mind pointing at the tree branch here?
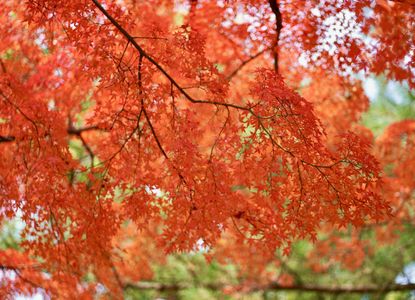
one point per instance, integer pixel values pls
(6, 138)
(245, 62)
(278, 26)
(71, 131)
(160, 68)
(341, 289)
(404, 2)
(77, 131)
(370, 289)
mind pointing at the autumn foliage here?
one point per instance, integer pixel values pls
(131, 129)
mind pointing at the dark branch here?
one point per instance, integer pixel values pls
(146, 285)
(71, 131)
(278, 26)
(6, 139)
(341, 289)
(77, 131)
(245, 62)
(276, 287)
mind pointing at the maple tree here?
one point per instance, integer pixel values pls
(131, 129)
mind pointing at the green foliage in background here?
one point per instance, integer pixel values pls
(391, 102)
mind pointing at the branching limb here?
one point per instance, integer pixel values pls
(245, 62)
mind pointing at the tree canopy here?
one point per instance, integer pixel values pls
(134, 129)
